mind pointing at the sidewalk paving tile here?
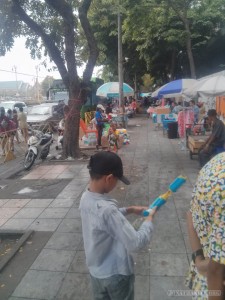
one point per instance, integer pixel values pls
(62, 202)
(70, 225)
(39, 203)
(53, 260)
(3, 221)
(17, 224)
(45, 224)
(75, 287)
(78, 264)
(64, 241)
(16, 203)
(168, 264)
(8, 212)
(162, 287)
(39, 284)
(29, 212)
(142, 263)
(73, 213)
(142, 288)
(3, 201)
(54, 213)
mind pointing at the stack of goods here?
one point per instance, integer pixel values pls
(122, 133)
(89, 140)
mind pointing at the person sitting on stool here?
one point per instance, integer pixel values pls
(215, 140)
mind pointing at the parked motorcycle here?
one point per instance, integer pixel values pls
(38, 147)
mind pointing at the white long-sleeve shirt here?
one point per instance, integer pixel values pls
(108, 237)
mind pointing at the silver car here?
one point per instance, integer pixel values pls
(14, 105)
(44, 117)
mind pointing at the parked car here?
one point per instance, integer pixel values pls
(14, 105)
(44, 117)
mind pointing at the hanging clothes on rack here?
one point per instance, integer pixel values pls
(185, 120)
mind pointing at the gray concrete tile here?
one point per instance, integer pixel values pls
(167, 237)
(70, 194)
(64, 241)
(54, 213)
(66, 175)
(16, 203)
(78, 264)
(16, 298)
(142, 263)
(45, 224)
(70, 225)
(62, 202)
(29, 212)
(162, 288)
(142, 288)
(73, 213)
(3, 201)
(39, 202)
(75, 287)
(168, 264)
(39, 284)
(8, 212)
(53, 260)
(17, 224)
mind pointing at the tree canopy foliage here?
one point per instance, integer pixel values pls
(55, 28)
(155, 36)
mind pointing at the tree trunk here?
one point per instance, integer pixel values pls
(172, 68)
(72, 125)
(189, 50)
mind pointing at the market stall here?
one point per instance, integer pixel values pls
(195, 143)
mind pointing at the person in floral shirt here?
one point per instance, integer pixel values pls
(206, 228)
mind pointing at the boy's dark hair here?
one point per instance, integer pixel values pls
(106, 163)
(212, 113)
(94, 175)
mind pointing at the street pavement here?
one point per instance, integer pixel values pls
(151, 162)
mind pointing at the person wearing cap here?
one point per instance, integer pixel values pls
(99, 123)
(215, 140)
(109, 238)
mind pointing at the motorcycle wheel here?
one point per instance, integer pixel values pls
(45, 154)
(29, 160)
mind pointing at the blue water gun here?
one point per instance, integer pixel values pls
(174, 186)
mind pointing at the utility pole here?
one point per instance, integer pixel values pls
(120, 69)
(17, 89)
(37, 87)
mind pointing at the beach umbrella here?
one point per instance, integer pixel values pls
(174, 88)
(213, 86)
(111, 89)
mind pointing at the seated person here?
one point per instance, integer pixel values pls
(177, 108)
(215, 140)
(113, 138)
(203, 125)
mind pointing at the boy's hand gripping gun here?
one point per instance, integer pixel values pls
(174, 186)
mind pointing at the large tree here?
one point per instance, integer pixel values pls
(54, 28)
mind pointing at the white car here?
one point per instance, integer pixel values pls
(44, 115)
(13, 105)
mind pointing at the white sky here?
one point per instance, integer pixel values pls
(19, 57)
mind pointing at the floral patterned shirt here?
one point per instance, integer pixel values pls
(208, 214)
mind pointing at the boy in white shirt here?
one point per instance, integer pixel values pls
(108, 236)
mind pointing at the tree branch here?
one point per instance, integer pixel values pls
(66, 12)
(63, 9)
(92, 44)
(49, 43)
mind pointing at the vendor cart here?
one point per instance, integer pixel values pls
(195, 143)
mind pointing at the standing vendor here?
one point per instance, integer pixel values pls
(99, 123)
(215, 140)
